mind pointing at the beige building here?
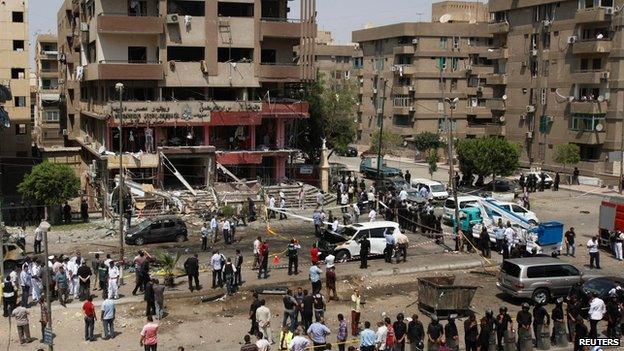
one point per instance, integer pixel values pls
(47, 132)
(561, 67)
(15, 145)
(400, 75)
(204, 81)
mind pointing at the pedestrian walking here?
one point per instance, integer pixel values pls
(263, 271)
(159, 299)
(290, 310)
(365, 246)
(149, 335)
(617, 245)
(356, 305)
(597, 310)
(108, 318)
(293, 256)
(226, 228)
(23, 325)
(216, 261)
(575, 176)
(314, 254)
(253, 329)
(141, 266)
(315, 278)
(62, 285)
(214, 229)
(256, 252)
(282, 205)
(238, 263)
(263, 316)
(25, 283)
(594, 253)
(319, 306)
(88, 311)
(372, 215)
(271, 208)
(228, 276)
(330, 282)
(191, 267)
(150, 299)
(44, 316)
(317, 220)
(484, 242)
(205, 233)
(556, 181)
(416, 334)
(570, 237)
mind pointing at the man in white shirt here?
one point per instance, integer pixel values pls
(256, 252)
(356, 213)
(372, 215)
(299, 343)
(271, 207)
(282, 205)
(262, 344)
(214, 227)
(38, 239)
(382, 334)
(72, 271)
(335, 225)
(216, 261)
(344, 202)
(594, 253)
(510, 236)
(424, 193)
(403, 195)
(227, 237)
(113, 280)
(263, 316)
(597, 310)
(320, 198)
(21, 237)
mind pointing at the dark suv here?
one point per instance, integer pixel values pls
(157, 229)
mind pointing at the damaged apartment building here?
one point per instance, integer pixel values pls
(204, 83)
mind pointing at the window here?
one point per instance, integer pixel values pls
(137, 8)
(472, 41)
(186, 53)
(511, 269)
(183, 8)
(454, 64)
(455, 42)
(401, 101)
(137, 54)
(546, 68)
(518, 209)
(586, 123)
(596, 64)
(536, 272)
(18, 17)
(534, 67)
(18, 73)
(228, 9)
(91, 52)
(402, 120)
(51, 116)
(268, 56)
(358, 62)
(545, 40)
(168, 224)
(442, 43)
(590, 152)
(21, 129)
(20, 101)
(442, 63)
(378, 232)
(18, 45)
(234, 55)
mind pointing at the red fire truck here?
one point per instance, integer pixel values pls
(611, 219)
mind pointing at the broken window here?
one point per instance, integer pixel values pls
(185, 53)
(235, 55)
(137, 54)
(183, 8)
(18, 73)
(183, 94)
(234, 9)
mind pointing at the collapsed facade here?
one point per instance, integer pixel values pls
(204, 82)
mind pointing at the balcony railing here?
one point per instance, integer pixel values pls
(124, 69)
(592, 14)
(592, 46)
(124, 24)
(498, 27)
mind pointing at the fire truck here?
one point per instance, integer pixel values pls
(611, 220)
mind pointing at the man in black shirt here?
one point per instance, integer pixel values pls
(573, 312)
(613, 316)
(308, 303)
(84, 276)
(570, 235)
(400, 331)
(451, 334)
(539, 314)
(471, 332)
(557, 318)
(290, 311)
(191, 266)
(435, 333)
(416, 333)
(503, 321)
(580, 332)
(364, 251)
(524, 319)
(252, 314)
(487, 330)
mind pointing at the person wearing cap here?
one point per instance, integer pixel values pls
(503, 322)
(435, 334)
(487, 330)
(451, 335)
(524, 319)
(471, 332)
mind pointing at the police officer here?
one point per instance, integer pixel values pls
(539, 315)
(364, 251)
(524, 319)
(293, 257)
(487, 330)
(502, 322)
(8, 297)
(558, 324)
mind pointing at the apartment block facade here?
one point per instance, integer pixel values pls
(562, 73)
(15, 145)
(406, 68)
(204, 82)
(47, 132)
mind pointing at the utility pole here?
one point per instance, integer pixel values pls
(46, 227)
(379, 105)
(621, 156)
(449, 129)
(120, 87)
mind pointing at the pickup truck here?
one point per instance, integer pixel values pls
(368, 167)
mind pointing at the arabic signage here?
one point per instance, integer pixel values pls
(155, 113)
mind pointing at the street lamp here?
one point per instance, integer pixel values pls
(449, 123)
(119, 87)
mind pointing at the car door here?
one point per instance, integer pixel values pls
(168, 231)
(154, 233)
(561, 277)
(378, 241)
(354, 243)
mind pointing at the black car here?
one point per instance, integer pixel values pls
(600, 286)
(504, 186)
(394, 184)
(350, 151)
(157, 229)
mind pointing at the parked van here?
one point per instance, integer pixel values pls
(437, 191)
(539, 278)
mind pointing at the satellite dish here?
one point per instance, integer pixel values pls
(600, 98)
(102, 150)
(455, 100)
(599, 127)
(445, 18)
(504, 97)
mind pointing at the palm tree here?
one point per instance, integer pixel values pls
(168, 263)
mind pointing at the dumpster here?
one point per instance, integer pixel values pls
(439, 296)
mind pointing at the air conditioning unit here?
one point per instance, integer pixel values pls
(394, 68)
(605, 75)
(529, 135)
(65, 133)
(84, 26)
(533, 52)
(572, 39)
(609, 10)
(415, 41)
(530, 108)
(173, 18)
(501, 119)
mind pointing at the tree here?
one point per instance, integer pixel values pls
(567, 154)
(51, 184)
(487, 156)
(168, 262)
(432, 161)
(389, 142)
(426, 141)
(332, 115)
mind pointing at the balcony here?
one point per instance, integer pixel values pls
(279, 72)
(403, 89)
(285, 109)
(495, 54)
(588, 107)
(131, 161)
(403, 49)
(589, 76)
(587, 137)
(121, 24)
(478, 110)
(405, 70)
(496, 79)
(280, 28)
(485, 129)
(48, 55)
(481, 69)
(123, 70)
(496, 104)
(498, 27)
(48, 72)
(592, 14)
(403, 110)
(591, 46)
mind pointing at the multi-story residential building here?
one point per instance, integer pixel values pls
(47, 132)
(561, 69)
(409, 65)
(15, 145)
(337, 61)
(202, 81)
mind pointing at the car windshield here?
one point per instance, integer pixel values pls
(598, 286)
(437, 188)
(146, 223)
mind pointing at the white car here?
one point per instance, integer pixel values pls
(518, 210)
(352, 235)
(437, 191)
(449, 205)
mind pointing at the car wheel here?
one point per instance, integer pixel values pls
(342, 256)
(180, 238)
(139, 241)
(541, 296)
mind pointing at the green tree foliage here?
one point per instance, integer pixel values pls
(50, 183)
(425, 141)
(389, 142)
(487, 156)
(432, 161)
(332, 115)
(567, 154)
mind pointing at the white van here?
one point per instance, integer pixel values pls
(437, 191)
(352, 234)
(449, 205)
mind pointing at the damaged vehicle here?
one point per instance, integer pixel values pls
(156, 230)
(345, 242)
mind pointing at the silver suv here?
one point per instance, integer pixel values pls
(539, 278)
